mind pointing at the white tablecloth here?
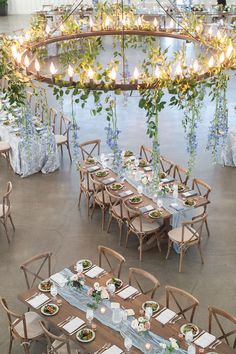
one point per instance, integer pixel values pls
(37, 156)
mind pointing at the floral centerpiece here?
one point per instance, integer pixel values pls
(77, 280)
(164, 189)
(141, 324)
(97, 294)
(170, 346)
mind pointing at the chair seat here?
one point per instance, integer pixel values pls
(199, 211)
(60, 139)
(118, 213)
(146, 226)
(63, 349)
(34, 329)
(176, 235)
(87, 186)
(1, 210)
(4, 147)
(98, 197)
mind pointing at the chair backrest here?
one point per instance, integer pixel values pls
(97, 188)
(195, 227)
(34, 267)
(203, 188)
(88, 148)
(146, 153)
(13, 320)
(138, 276)
(133, 214)
(52, 119)
(226, 324)
(84, 179)
(181, 302)
(65, 124)
(6, 200)
(115, 201)
(166, 165)
(55, 343)
(111, 257)
(180, 174)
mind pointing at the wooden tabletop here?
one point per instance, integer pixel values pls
(105, 334)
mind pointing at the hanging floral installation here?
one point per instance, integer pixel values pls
(80, 73)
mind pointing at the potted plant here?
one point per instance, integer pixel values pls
(3, 7)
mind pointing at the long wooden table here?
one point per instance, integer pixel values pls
(105, 334)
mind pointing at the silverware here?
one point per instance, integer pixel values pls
(32, 296)
(103, 348)
(44, 303)
(176, 319)
(78, 329)
(199, 335)
(118, 291)
(135, 295)
(103, 273)
(159, 312)
(216, 345)
(64, 321)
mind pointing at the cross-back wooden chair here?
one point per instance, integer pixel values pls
(182, 302)
(86, 186)
(5, 210)
(24, 327)
(88, 148)
(219, 316)
(5, 149)
(138, 275)
(111, 256)
(116, 211)
(57, 344)
(34, 267)
(146, 153)
(63, 138)
(204, 190)
(100, 198)
(189, 234)
(141, 227)
(166, 165)
(180, 173)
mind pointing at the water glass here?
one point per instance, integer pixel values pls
(79, 267)
(111, 288)
(53, 291)
(159, 203)
(189, 337)
(128, 344)
(148, 312)
(117, 315)
(89, 315)
(140, 189)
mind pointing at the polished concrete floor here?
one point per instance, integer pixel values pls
(45, 212)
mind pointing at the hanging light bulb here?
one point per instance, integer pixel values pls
(136, 74)
(14, 51)
(195, 66)
(62, 28)
(155, 23)
(70, 73)
(222, 58)
(47, 30)
(172, 24)
(210, 32)
(27, 37)
(37, 66)
(21, 40)
(198, 28)
(157, 72)
(178, 70)
(18, 58)
(139, 21)
(53, 70)
(229, 51)
(90, 74)
(211, 62)
(26, 63)
(107, 22)
(112, 74)
(91, 23)
(219, 35)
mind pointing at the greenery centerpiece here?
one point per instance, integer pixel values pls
(97, 293)
(77, 281)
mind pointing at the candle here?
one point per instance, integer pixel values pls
(148, 346)
(53, 71)
(210, 32)
(112, 74)
(157, 72)
(211, 62)
(91, 23)
(37, 66)
(136, 75)
(26, 63)
(222, 58)
(47, 30)
(103, 310)
(107, 23)
(178, 71)
(14, 51)
(18, 58)
(155, 23)
(195, 66)
(229, 51)
(70, 73)
(62, 28)
(139, 22)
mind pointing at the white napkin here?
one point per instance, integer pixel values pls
(38, 300)
(59, 279)
(176, 206)
(94, 272)
(93, 168)
(127, 292)
(165, 316)
(189, 194)
(108, 180)
(146, 208)
(147, 169)
(125, 193)
(113, 350)
(72, 325)
(205, 340)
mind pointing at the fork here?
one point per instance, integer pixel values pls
(216, 344)
(159, 312)
(199, 335)
(103, 348)
(32, 296)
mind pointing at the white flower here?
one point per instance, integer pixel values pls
(104, 294)
(134, 324)
(82, 282)
(96, 286)
(141, 327)
(74, 277)
(141, 319)
(174, 343)
(163, 345)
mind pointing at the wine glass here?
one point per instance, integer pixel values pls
(128, 344)
(79, 267)
(53, 291)
(140, 189)
(159, 203)
(89, 316)
(117, 315)
(189, 337)
(111, 288)
(148, 312)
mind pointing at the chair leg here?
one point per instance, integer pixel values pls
(11, 222)
(5, 227)
(181, 260)
(159, 244)
(103, 218)
(68, 148)
(61, 150)
(94, 205)
(109, 223)
(169, 248)
(121, 229)
(26, 348)
(207, 227)
(140, 249)
(88, 203)
(127, 236)
(200, 251)
(10, 344)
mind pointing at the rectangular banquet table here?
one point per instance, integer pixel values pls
(170, 215)
(105, 334)
(39, 153)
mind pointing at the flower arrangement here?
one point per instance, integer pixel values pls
(164, 189)
(141, 324)
(77, 280)
(97, 293)
(170, 346)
